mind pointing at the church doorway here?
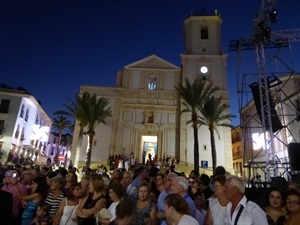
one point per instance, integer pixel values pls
(149, 148)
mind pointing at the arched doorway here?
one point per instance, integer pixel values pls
(148, 148)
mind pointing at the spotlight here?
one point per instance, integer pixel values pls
(273, 16)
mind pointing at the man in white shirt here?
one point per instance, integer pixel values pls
(241, 211)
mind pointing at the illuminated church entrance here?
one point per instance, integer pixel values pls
(149, 148)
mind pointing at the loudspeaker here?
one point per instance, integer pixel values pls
(279, 182)
(294, 156)
(276, 124)
(257, 195)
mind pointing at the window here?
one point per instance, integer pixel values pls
(37, 119)
(152, 84)
(150, 119)
(52, 150)
(23, 134)
(204, 33)
(1, 126)
(22, 111)
(4, 105)
(27, 115)
(17, 131)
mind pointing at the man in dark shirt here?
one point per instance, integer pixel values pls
(207, 191)
(6, 204)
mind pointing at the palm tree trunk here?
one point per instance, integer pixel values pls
(213, 150)
(89, 149)
(76, 144)
(56, 157)
(196, 147)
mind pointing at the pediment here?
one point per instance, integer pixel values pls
(152, 62)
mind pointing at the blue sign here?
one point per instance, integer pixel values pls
(204, 164)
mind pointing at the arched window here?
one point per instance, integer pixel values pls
(152, 84)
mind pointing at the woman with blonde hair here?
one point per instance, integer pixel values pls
(85, 182)
(94, 202)
(177, 210)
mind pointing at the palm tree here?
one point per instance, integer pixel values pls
(67, 139)
(213, 116)
(90, 112)
(59, 125)
(71, 111)
(194, 96)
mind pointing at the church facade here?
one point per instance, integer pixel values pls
(146, 109)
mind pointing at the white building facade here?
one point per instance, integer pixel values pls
(24, 127)
(146, 107)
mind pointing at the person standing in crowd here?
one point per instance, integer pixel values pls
(159, 184)
(116, 176)
(38, 194)
(145, 210)
(26, 179)
(180, 186)
(71, 180)
(94, 202)
(194, 175)
(116, 193)
(206, 189)
(293, 209)
(10, 178)
(239, 209)
(220, 170)
(131, 191)
(141, 175)
(55, 195)
(125, 212)
(160, 202)
(144, 158)
(6, 206)
(42, 214)
(177, 210)
(49, 164)
(85, 182)
(275, 205)
(216, 210)
(66, 212)
(200, 211)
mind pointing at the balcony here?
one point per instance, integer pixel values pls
(237, 155)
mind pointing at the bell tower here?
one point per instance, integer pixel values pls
(204, 59)
(203, 56)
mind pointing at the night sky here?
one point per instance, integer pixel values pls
(50, 48)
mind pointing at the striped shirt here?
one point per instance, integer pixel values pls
(55, 203)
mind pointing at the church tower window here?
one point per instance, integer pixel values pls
(204, 33)
(152, 84)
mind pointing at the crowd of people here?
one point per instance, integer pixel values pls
(141, 195)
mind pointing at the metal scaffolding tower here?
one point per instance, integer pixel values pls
(261, 82)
